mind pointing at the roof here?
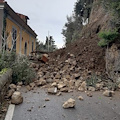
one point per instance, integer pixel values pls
(17, 18)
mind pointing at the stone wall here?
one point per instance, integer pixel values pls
(5, 80)
(113, 62)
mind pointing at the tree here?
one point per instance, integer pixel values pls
(75, 23)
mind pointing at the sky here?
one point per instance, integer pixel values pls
(45, 16)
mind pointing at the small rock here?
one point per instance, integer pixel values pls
(32, 85)
(119, 86)
(58, 76)
(108, 93)
(83, 86)
(91, 89)
(28, 87)
(69, 103)
(58, 94)
(77, 83)
(81, 89)
(12, 86)
(20, 83)
(54, 84)
(99, 86)
(64, 89)
(52, 90)
(10, 93)
(41, 82)
(61, 85)
(71, 83)
(18, 88)
(89, 94)
(17, 98)
(47, 99)
(80, 98)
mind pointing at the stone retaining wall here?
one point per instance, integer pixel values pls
(5, 80)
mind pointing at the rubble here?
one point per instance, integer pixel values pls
(20, 83)
(61, 85)
(69, 103)
(52, 90)
(32, 85)
(12, 86)
(16, 98)
(10, 93)
(91, 89)
(28, 87)
(81, 98)
(108, 93)
(66, 89)
(47, 99)
(89, 94)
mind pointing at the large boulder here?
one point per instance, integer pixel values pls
(69, 103)
(16, 98)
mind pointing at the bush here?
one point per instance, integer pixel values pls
(19, 65)
(7, 60)
(22, 71)
(107, 37)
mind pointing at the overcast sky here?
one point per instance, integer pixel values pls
(45, 15)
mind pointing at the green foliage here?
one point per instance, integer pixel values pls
(107, 37)
(7, 60)
(22, 71)
(113, 7)
(3, 71)
(19, 65)
(74, 25)
(92, 81)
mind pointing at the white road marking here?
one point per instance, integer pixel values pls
(10, 112)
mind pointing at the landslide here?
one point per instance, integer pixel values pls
(88, 54)
(86, 50)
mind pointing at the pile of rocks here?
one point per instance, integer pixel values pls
(14, 94)
(67, 76)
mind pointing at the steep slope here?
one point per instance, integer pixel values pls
(88, 54)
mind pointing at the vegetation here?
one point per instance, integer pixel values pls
(92, 81)
(113, 7)
(48, 46)
(3, 71)
(19, 65)
(107, 37)
(75, 23)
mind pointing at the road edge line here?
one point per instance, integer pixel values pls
(10, 112)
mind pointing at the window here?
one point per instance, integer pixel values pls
(14, 37)
(32, 46)
(25, 48)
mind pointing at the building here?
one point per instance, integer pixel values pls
(15, 33)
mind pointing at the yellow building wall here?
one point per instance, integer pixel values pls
(26, 37)
(9, 27)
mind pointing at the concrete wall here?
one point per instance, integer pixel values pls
(5, 80)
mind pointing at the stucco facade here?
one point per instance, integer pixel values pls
(19, 36)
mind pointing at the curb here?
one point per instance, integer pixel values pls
(10, 112)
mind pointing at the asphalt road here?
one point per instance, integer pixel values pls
(97, 107)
